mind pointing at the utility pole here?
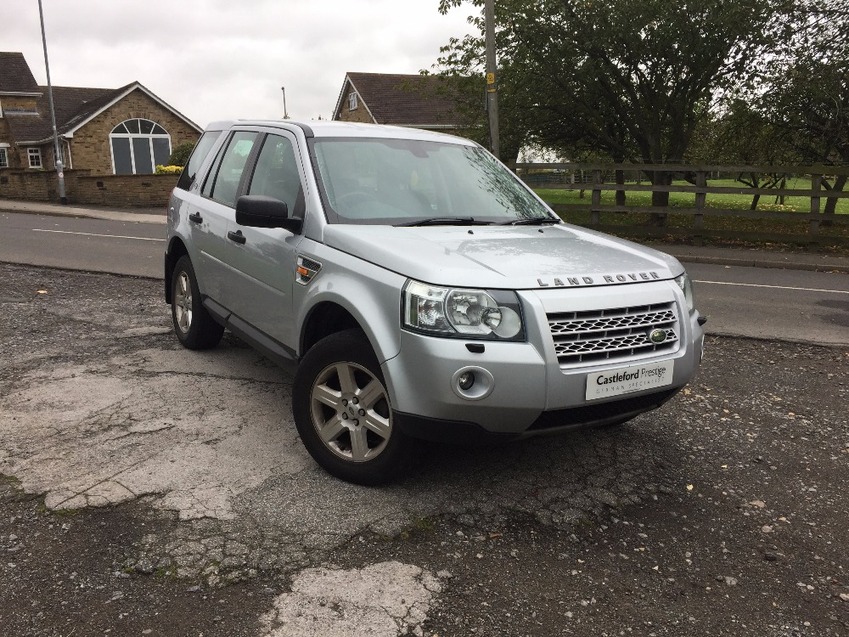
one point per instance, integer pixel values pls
(491, 83)
(57, 149)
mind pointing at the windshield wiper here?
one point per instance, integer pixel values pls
(533, 221)
(445, 221)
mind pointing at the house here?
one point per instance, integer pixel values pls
(103, 131)
(418, 101)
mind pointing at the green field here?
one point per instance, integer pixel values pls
(727, 229)
(687, 200)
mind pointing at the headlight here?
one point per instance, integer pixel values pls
(462, 313)
(686, 286)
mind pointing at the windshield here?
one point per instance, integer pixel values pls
(408, 182)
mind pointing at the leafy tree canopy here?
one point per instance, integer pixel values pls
(631, 78)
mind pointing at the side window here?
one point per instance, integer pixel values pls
(276, 174)
(223, 185)
(201, 150)
(34, 155)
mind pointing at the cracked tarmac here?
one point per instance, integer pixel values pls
(101, 410)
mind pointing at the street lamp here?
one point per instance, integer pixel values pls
(285, 112)
(57, 151)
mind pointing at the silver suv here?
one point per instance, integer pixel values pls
(422, 289)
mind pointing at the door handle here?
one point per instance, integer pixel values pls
(195, 217)
(237, 236)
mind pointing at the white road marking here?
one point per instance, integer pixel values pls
(772, 287)
(94, 234)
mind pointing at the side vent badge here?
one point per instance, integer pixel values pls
(307, 270)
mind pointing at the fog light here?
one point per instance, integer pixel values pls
(466, 380)
(472, 383)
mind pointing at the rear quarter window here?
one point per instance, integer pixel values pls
(201, 150)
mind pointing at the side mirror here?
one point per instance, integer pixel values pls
(260, 211)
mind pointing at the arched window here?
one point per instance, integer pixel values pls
(138, 145)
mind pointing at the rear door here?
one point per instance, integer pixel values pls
(217, 217)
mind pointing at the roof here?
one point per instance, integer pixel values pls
(403, 100)
(74, 106)
(16, 76)
(71, 104)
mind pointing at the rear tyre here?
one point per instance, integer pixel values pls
(194, 326)
(343, 412)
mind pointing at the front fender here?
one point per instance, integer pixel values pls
(369, 293)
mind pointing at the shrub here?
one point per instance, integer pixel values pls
(168, 170)
(180, 154)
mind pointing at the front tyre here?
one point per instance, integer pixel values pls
(343, 413)
(194, 327)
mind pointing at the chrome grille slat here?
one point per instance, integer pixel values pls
(612, 335)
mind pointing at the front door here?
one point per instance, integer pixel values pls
(266, 259)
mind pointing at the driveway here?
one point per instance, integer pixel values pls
(722, 513)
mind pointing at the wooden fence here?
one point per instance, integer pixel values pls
(814, 222)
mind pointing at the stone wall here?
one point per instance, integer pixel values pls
(122, 191)
(82, 188)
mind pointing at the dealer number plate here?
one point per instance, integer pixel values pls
(624, 380)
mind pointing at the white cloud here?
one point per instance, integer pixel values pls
(216, 59)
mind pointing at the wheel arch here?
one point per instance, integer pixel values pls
(330, 316)
(324, 319)
(176, 249)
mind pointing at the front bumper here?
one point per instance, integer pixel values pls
(521, 388)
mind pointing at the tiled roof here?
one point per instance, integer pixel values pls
(72, 104)
(408, 100)
(15, 74)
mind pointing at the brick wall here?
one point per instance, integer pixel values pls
(121, 191)
(82, 188)
(31, 184)
(18, 156)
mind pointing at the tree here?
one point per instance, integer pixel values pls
(805, 93)
(740, 135)
(631, 78)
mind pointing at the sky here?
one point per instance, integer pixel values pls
(222, 59)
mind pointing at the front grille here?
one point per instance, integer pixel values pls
(612, 335)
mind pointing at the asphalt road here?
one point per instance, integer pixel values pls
(94, 245)
(795, 305)
(802, 306)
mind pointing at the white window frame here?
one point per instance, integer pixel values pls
(4, 157)
(34, 157)
(353, 103)
(131, 136)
